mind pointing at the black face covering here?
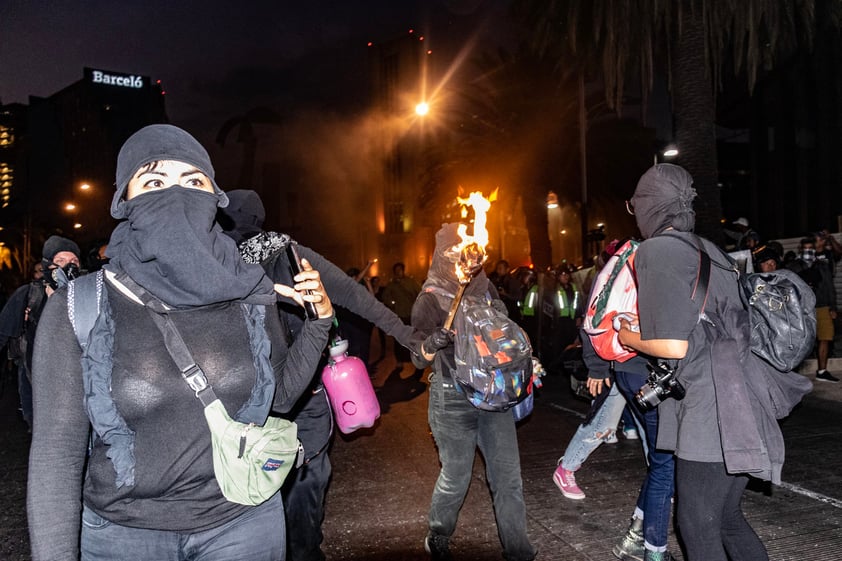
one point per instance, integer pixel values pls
(58, 277)
(170, 246)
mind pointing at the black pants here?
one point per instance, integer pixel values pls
(305, 488)
(710, 516)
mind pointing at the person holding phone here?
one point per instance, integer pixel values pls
(147, 486)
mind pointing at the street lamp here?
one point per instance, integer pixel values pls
(422, 109)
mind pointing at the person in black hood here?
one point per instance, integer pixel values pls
(458, 427)
(147, 483)
(305, 488)
(723, 431)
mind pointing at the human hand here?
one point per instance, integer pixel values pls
(439, 339)
(595, 385)
(308, 287)
(537, 372)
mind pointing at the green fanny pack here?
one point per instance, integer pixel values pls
(250, 462)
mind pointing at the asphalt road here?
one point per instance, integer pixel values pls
(378, 499)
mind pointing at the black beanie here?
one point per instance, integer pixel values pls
(244, 215)
(155, 143)
(57, 244)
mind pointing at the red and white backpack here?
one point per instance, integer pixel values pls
(614, 292)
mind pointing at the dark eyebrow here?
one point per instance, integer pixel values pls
(192, 172)
(151, 172)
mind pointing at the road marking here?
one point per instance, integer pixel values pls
(811, 494)
(788, 486)
(566, 410)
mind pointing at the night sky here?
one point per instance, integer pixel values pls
(218, 58)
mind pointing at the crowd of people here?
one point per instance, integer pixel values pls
(122, 456)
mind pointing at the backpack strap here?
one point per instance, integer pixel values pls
(703, 275)
(84, 296)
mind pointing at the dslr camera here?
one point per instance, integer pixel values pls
(660, 385)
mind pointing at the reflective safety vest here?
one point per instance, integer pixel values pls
(530, 302)
(565, 309)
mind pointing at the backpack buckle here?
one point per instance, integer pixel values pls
(195, 378)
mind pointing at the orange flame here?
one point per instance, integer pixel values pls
(471, 249)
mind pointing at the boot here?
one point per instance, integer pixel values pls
(630, 547)
(437, 546)
(658, 556)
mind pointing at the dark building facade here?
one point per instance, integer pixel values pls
(64, 156)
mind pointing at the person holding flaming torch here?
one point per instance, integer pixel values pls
(457, 426)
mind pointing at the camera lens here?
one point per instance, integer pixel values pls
(648, 397)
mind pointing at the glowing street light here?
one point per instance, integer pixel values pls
(84, 186)
(670, 152)
(69, 207)
(422, 109)
(77, 226)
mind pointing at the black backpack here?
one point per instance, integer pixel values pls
(781, 310)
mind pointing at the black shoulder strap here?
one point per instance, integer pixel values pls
(190, 371)
(703, 274)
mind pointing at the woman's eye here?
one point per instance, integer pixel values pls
(153, 184)
(196, 182)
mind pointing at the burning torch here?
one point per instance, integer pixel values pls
(470, 252)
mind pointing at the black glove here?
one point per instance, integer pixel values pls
(439, 339)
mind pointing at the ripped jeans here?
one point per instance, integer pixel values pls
(589, 437)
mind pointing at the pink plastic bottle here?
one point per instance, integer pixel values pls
(349, 389)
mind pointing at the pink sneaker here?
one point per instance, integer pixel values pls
(566, 481)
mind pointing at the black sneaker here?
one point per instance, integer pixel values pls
(438, 547)
(826, 377)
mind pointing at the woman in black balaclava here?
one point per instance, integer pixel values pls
(459, 427)
(717, 444)
(149, 488)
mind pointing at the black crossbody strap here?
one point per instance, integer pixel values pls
(190, 371)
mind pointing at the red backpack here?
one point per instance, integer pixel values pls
(614, 292)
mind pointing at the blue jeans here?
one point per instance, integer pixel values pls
(257, 534)
(458, 428)
(655, 499)
(588, 437)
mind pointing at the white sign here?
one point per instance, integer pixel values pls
(100, 77)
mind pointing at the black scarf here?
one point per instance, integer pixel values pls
(170, 246)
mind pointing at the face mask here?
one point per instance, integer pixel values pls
(60, 276)
(808, 255)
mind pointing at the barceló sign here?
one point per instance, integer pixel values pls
(111, 79)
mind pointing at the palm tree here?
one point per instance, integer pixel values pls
(694, 40)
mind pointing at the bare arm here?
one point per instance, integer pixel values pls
(661, 348)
